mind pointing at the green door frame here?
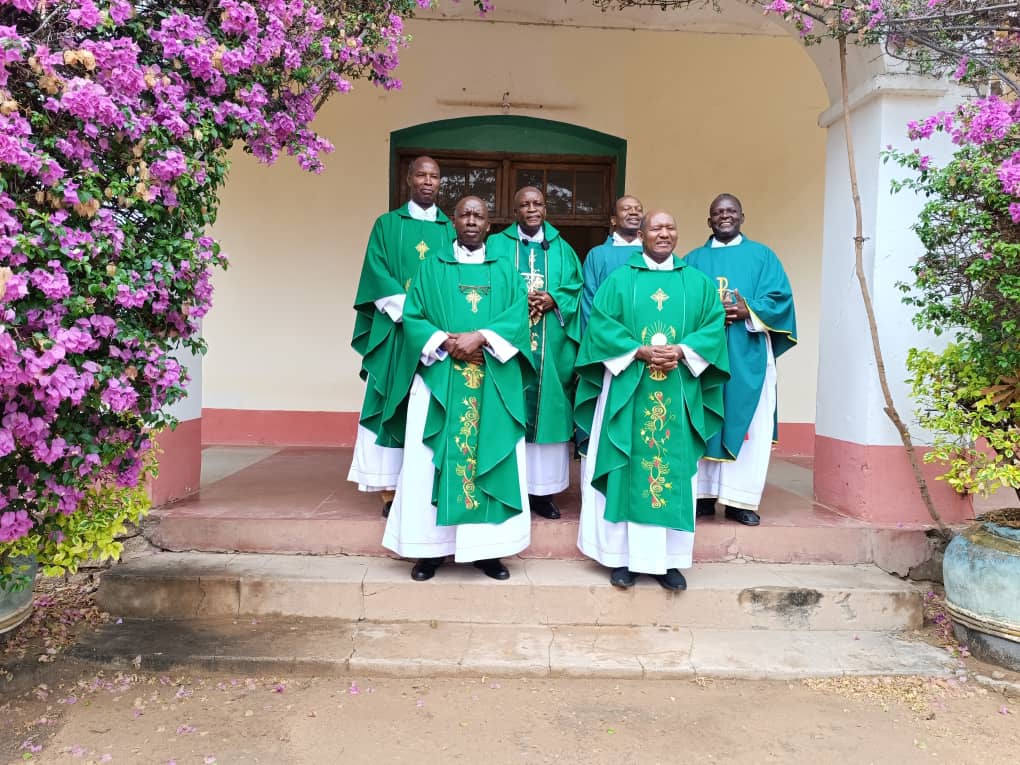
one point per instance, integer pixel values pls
(509, 133)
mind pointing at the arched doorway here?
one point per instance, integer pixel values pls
(581, 171)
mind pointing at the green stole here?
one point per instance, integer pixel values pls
(476, 412)
(754, 270)
(397, 246)
(556, 336)
(655, 426)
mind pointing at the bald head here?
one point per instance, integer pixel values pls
(658, 235)
(423, 181)
(471, 221)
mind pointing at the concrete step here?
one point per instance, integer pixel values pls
(541, 592)
(282, 647)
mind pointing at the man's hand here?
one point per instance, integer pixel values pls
(660, 358)
(737, 310)
(466, 345)
(539, 304)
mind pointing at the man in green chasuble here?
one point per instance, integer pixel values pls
(400, 242)
(462, 489)
(552, 272)
(761, 326)
(652, 366)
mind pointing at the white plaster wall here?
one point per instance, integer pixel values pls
(702, 113)
(852, 407)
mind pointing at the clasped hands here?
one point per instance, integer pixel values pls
(660, 358)
(465, 346)
(737, 310)
(539, 304)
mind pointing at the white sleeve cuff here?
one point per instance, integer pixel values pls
(617, 365)
(432, 352)
(753, 323)
(694, 361)
(392, 306)
(498, 347)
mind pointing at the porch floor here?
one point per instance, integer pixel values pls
(297, 500)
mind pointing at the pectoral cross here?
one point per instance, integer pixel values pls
(660, 297)
(422, 248)
(534, 279)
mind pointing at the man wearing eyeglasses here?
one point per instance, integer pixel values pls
(552, 272)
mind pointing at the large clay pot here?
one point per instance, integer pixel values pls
(981, 571)
(15, 607)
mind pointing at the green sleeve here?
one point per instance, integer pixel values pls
(772, 303)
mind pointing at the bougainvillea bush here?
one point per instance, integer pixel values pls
(115, 121)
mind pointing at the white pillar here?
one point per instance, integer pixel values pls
(861, 466)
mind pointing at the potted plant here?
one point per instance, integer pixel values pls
(967, 287)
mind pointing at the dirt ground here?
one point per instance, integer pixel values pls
(90, 717)
(55, 710)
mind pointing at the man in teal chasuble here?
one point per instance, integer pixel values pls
(552, 272)
(652, 365)
(400, 242)
(761, 325)
(622, 242)
(462, 488)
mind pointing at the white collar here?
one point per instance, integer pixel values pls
(732, 243)
(420, 213)
(464, 255)
(666, 265)
(619, 241)
(538, 237)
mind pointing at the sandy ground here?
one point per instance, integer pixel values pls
(85, 717)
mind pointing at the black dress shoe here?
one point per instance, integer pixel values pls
(493, 568)
(740, 515)
(622, 577)
(425, 569)
(544, 507)
(386, 509)
(705, 507)
(672, 579)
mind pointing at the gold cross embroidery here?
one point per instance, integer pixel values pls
(474, 297)
(422, 248)
(533, 278)
(660, 297)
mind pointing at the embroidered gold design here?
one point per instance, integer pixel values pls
(473, 374)
(655, 433)
(407, 285)
(659, 297)
(422, 248)
(658, 334)
(467, 445)
(474, 297)
(534, 279)
(725, 293)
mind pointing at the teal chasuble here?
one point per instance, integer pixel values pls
(397, 246)
(599, 263)
(755, 271)
(476, 411)
(556, 336)
(655, 426)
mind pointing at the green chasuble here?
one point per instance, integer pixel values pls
(755, 271)
(397, 246)
(555, 337)
(477, 411)
(655, 426)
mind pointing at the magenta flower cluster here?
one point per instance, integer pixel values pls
(115, 121)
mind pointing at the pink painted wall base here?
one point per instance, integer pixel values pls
(180, 462)
(876, 483)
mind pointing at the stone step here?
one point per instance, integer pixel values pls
(360, 651)
(543, 592)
